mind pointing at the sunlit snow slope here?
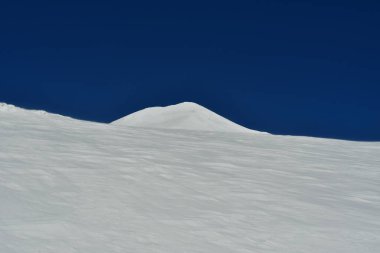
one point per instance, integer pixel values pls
(187, 115)
(74, 186)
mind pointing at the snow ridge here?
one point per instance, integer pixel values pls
(4, 107)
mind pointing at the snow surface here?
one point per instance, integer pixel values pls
(186, 115)
(74, 186)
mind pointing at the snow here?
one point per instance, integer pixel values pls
(186, 115)
(74, 186)
(4, 107)
(26, 113)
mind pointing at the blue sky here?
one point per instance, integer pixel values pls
(286, 67)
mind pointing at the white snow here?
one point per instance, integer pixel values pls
(186, 115)
(75, 186)
(4, 107)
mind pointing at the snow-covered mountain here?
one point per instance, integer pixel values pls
(187, 115)
(75, 186)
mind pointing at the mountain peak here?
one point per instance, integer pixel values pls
(189, 105)
(185, 115)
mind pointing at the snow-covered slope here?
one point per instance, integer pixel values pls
(11, 112)
(7, 108)
(187, 115)
(73, 186)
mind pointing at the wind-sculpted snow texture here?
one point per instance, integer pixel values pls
(73, 186)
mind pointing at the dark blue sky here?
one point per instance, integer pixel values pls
(286, 67)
